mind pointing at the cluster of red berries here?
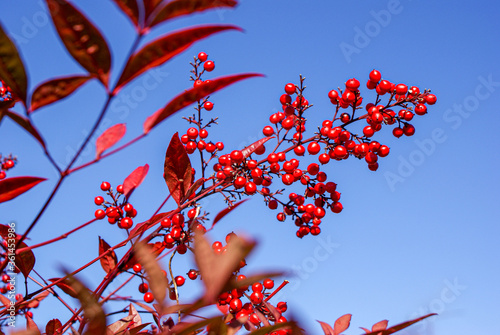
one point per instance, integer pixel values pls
(332, 142)
(5, 92)
(6, 163)
(178, 232)
(208, 66)
(246, 306)
(191, 141)
(120, 212)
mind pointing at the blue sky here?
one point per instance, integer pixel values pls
(417, 236)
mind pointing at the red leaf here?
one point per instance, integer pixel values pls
(196, 185)
(31, 326)
(15, 186)
(52, 327)
(134, 179)
(55, 90)
(217, 270)
(82, 39)
(165, 48)
(143, 226)
(109, 138)
(65, 285)
(381, 325)
(400, 326)
(341, 324)
(130, 8)
(192, 95)
(25, 261)
(150, 6)
(327, 329)
(254, 146)
(226, 211)
(178, 8)
(177, 169)
(11, 67)
(109, 261)
(26, 124)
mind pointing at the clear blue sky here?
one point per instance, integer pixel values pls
(419, 235)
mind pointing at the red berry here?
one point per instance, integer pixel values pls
(181, 249)
(268, 283)
(8, 164)
(313, 148)
(2, 174)
(324, 158)
(333, 95)
(430, 99)
(126, 223)
(137, 267)
(285, 99)
(420, 109)
(178, 219)
(299, 150)
(401, 89)
(256, 298)
(250, 188)
(344, 117)
(235, 305)
(236, 156)
(408, 129)
(337, 207)
(143, 287)
(375, 76)
(197, 83)
(192, 274)
(180, 280)
(98, 200)
(383, 150)
(290, 88)
(100, 214)
(105, 186)
(208, 105)
(192, 133)
(268, 131)
(119, 189)
(202, 56)
(257, 287)
(352, 84)
(398, 132)
(209, 65)
(148, 297)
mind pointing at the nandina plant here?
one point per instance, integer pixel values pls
(197, 166)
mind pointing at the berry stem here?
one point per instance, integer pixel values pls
(276, 290)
